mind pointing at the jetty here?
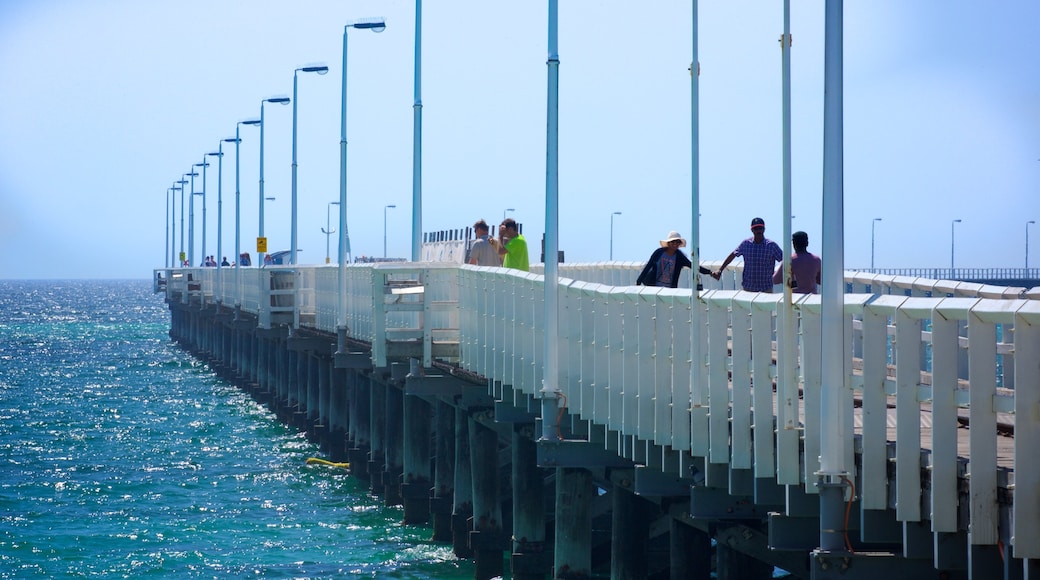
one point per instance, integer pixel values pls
(680, 450)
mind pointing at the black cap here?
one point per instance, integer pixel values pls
(758, 223)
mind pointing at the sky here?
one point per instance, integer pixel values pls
(105, 104)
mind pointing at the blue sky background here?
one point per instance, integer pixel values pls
(104, 104)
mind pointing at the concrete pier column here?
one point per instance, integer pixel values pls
(299, 406)
(462, 509)
(377, 436)
(731, 564)
(443, 490)
(280, 402)
(252, 347)
(339, 413)
(360, 425)
(690, 552)
(572, 557)
(310, 405)
(630, 535)
(529, 559)
(319, 408)
(487, 538)
(262, 390)
(415, 488)
(394, 446)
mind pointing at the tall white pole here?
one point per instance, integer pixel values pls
(391, 206)
(834, 427)
(417, 140)
(170, 190)
(698, 387)
(1027, 243)
(872, 224)
(787, 409)
(238, 222)
(205, 164)
(550, 389)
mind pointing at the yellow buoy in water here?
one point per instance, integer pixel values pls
(318, 461)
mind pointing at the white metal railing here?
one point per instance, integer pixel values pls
(964, 352)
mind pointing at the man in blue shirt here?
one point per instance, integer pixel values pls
(760, 256)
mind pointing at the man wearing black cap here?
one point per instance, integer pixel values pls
(760, 256)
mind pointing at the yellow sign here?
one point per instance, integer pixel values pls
(261, 245)
(183, 257)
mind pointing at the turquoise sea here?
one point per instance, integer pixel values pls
(123, 457)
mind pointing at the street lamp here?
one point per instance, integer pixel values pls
(375, 25)
(508, 209)
(327, 230)
(1027, 242)
(872, 224)
(185, 257)
(219, 154)
(953, 223)
(612, 234)
(191, 216)
(260, 230)
(238, 212)
(169, 192)
(391, 206)
(320, 69)
(204, 165)
(181, 256)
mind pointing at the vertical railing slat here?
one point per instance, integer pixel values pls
(908, 417)
(1026, 509)
(718, 373)
(740, 412)
(982, 436)
(762, 383)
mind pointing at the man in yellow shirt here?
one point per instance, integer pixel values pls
(512, 246)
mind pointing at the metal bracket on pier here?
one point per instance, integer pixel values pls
(357, 360)
(434, 385)
(577, 453)
(299, 343)
(714, 503)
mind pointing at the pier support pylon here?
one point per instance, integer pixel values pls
(529, 559)
(573, 550)
(444, 472)
(487, 538)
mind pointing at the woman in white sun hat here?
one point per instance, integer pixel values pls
(666, 263)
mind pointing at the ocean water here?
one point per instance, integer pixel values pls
(123, 457)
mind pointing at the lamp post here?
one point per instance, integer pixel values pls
(508, 209)
(219, 154)
(952, 224)
(320, 69)
(872, 224)
(612, 234)
(182, 256)
(191, 216)
(204, 165)
(327, 230)
(166, 253)
(187, 257)
(391, 206)
(260, 230)
(375, 25)
(238, 212)
(1027, 242)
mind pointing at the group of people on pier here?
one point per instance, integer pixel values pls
(509, 250)
(760, 256)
